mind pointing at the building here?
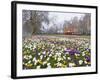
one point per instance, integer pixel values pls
(70, 30)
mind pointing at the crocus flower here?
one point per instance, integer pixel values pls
(88, 50)
(87, 58)
(72, 51)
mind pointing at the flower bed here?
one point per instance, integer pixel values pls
(56, 52)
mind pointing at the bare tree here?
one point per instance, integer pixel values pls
(32, 22)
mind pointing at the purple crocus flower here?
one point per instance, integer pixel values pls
(87, 49)
(77, 51)
(72, 51)
(67, 50)
(87, 58)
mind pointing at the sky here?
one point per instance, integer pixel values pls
(60, 17)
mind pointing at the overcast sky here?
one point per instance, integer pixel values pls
(60, 17)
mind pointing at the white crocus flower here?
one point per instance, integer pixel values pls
(26, 46)
(30, 56)
(38, 60)
(44, 62)
(80, 62)
(77, 54)
(38, 67)
(30, 46)
(34, 59)
(59, 54)
(68, 58)
(44, 52)
(83, 54)
(39, 53)
(71, 64)
(59, 64)
(85, 62)
(35, 62)
(45, 56)
(48, 58)
(50, 55)
(25, 57)
(64, 57)
(48, 64)
(26, 64)
(59, 59)
(29, 62)
(67, 52)
(55, 57)
(41, 56)
(64, 48)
